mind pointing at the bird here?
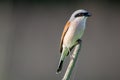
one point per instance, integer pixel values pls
(72, 33)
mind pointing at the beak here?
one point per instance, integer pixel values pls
(88, 14)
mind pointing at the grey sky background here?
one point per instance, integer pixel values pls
(30, 34)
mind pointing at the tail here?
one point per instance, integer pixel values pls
(60, 66)
(63, 55)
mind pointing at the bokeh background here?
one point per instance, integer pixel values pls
(30, 32)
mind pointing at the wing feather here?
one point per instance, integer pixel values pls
(63, 35)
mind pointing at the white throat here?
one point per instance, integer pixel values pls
(81, 21)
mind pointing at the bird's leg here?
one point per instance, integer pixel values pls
(79, 41)
(68, 51)
(71, 56)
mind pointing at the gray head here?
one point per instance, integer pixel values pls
(80, 13)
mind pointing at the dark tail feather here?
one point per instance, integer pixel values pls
(60, 67)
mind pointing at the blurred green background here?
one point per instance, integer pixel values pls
(30, 32)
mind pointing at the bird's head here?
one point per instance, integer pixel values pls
(81, 13)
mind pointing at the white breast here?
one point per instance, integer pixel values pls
(74, 32)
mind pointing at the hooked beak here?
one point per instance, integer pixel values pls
(88, 14)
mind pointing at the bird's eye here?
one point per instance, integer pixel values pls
(80, 14)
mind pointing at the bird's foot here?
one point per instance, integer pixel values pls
(72, 56)
(79, 41)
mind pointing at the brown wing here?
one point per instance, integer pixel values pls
(63, 34)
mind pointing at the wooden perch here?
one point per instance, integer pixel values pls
(72, 62)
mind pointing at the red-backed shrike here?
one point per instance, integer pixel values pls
(72, 33)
